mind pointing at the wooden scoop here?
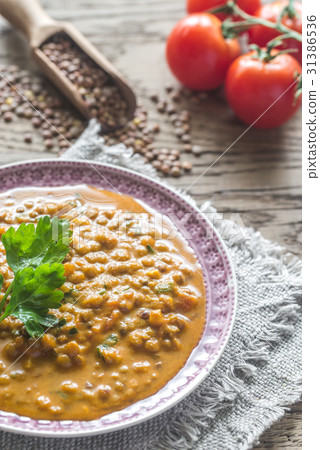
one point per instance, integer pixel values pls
(29, 17)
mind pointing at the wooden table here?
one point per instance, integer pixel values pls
(258, 178)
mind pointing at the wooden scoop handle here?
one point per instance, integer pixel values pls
(27, 16)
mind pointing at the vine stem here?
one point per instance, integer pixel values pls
(289, 10)
(248, 20)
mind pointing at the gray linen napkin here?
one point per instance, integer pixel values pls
(259, 373)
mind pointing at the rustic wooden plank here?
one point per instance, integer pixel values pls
(285, 434)
(259, 177)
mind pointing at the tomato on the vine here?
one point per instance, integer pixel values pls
(261, 35)
(197, 52)
(194, 6)
(263, 92)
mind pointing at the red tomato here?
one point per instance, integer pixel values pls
(255, 88)
(271, 11)
(197, 52)
(194, 6)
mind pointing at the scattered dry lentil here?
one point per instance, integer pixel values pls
(196, 150)
(19, 85)
(8, 116)
(138, 134)
(28, 138)
(187, 166)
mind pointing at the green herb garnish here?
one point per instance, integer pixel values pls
(62, 394)
(99, 350)
(69, 293)
(33, 293)
(62, 322)
(150, 249)
(67, 296)
(30, 247)
(110, 341)
(35, 255)
(164, 288)
(73, 331)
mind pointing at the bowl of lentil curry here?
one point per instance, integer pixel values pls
(148, 300)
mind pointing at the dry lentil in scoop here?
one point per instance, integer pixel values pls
(101, 95)
(133, 308)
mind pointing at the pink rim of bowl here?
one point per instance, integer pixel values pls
(215, 262)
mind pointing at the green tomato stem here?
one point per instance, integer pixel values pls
(230, 28)
(265, 55)
(290, 10)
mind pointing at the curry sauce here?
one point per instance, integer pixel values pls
(132, 312)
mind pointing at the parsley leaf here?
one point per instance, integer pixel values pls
(30, 247)
(35, 255)
(33, 293)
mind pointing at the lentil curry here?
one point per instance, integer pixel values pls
(132, 312)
